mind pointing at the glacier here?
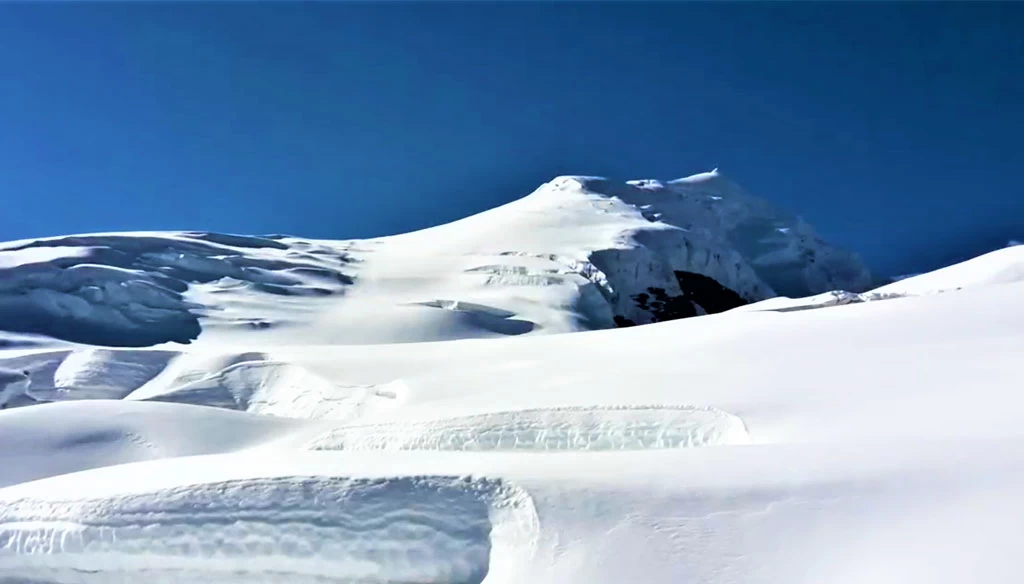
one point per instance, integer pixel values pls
(130, 289)
(464, 404)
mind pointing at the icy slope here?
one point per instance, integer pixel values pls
(579, 253)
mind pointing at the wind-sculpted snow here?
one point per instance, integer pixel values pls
(131, 289)
(554, 429)
(246, 381)
(288, 529)
(274, 389)
(103, 373)
(91, 373)
(87, 372)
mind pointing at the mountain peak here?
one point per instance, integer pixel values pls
(700, 177)
(581, 252)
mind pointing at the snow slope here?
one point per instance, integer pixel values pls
(56, 439)
(866, 442)
(1003, 266)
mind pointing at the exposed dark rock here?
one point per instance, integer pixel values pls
(664, 307)
(698, 292)
(707, 292)
(622, 321)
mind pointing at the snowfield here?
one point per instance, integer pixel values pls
(470, 404)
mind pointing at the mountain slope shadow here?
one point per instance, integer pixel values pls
(699, 293)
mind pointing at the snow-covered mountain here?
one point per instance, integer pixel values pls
(296, 419)
(578, 253)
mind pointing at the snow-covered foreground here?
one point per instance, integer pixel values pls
(846, 438)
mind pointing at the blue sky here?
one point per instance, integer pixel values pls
(894, 128)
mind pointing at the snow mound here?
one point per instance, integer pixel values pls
(104, 374)
(294, 529)
(86, 372)
(130, 289)
(552, 429)
(246, 381)
(1003, 266)
(274, 389)
(90, 373)
(60, 438)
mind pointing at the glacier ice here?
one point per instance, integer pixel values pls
(130, 289)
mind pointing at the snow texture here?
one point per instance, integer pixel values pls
(295, 529)
(401, 410)
(633, 428)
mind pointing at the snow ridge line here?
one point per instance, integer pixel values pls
(549, 429)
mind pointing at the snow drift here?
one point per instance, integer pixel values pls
(294, 529)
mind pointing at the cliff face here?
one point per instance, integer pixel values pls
(703, 245)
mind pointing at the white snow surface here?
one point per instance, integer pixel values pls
(405, 426)
(1003, 266)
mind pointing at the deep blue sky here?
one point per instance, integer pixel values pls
(896, 129)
